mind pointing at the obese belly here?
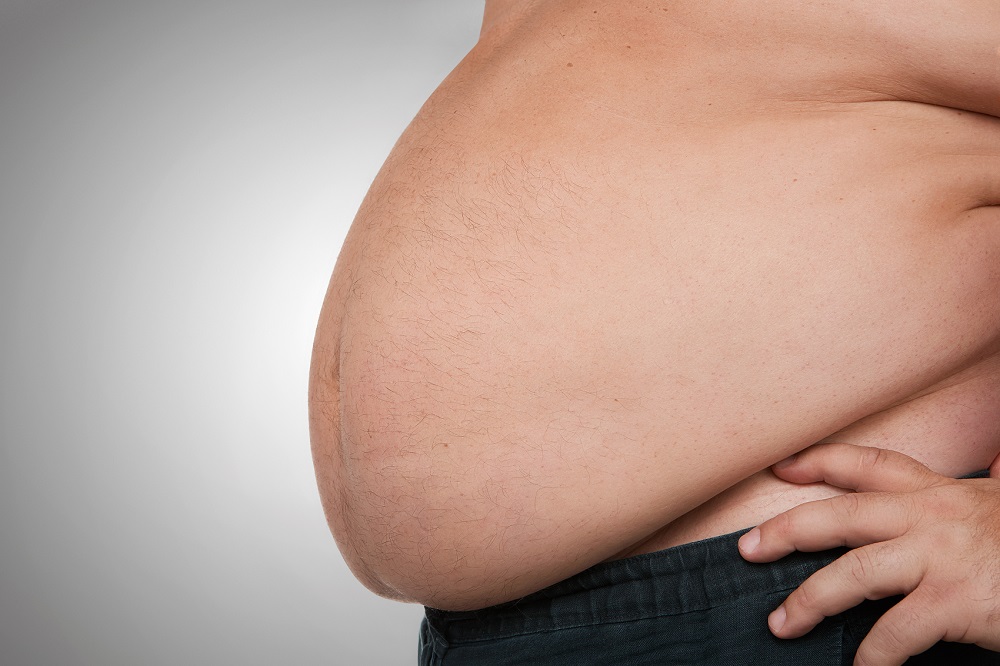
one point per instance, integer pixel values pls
(585, 304)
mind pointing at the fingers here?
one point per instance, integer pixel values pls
(873, 572)
(908, 628)
(847, 520)
(857, 468)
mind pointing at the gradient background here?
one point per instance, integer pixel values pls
(176, 178)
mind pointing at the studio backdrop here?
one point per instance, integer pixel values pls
(176, 179)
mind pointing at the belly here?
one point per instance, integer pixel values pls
(582, 308)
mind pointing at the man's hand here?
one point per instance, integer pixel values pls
(914, 532)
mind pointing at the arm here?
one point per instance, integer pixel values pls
(914, 532)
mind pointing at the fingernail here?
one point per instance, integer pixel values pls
(777, 620)
(749, 541)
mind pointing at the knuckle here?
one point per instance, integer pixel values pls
(873, 571)
(872, 458)
(782, 526)
(845, 510)
(860, 565)
(860, 570)
(806, 599)
(848, 506)
(890, 644)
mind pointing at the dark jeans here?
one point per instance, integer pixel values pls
(699, 603)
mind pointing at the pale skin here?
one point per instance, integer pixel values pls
(630, 255)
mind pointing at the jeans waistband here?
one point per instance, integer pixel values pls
(686, 578)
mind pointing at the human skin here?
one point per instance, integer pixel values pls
(913, 532)
(631, 254)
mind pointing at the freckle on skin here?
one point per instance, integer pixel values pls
(569, 64)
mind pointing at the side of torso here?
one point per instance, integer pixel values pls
(955, 431)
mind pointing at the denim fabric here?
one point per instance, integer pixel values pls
(699, 603)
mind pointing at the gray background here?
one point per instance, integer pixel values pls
(176, 178)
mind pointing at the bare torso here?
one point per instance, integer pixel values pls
(631, 254)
